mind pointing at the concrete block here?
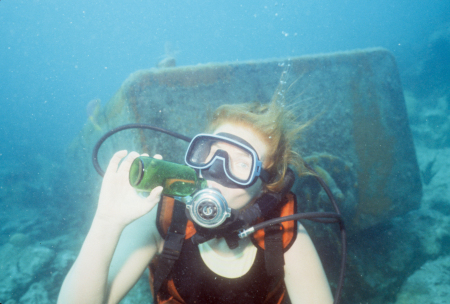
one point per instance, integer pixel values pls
(356, 98)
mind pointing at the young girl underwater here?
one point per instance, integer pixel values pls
(245, 155)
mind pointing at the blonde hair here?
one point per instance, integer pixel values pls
(275, 124)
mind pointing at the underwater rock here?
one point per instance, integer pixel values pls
(21, 267)
(382, 257)
(430, 121)
(64, 260)
(35, 259)
(9, 272)
(430, 75)
(432, 230)
(401, 245)
(435, 168)
(20, 239)
(36, 294)
(429, 284)
(35, 210)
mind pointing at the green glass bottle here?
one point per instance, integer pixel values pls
(147, 173)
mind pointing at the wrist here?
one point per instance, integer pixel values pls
(107, 225)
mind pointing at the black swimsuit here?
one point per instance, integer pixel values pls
(196, 283)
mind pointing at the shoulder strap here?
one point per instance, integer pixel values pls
(277, 239)
(273, 254)
(173, 242)
(164, 215)
(288, 207)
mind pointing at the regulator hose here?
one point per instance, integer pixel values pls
(320, 217)
(341, 228)
(125, 127)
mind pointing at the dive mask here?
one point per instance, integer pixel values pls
(226, 159)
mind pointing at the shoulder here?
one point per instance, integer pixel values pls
(302, 245)
(304, 274)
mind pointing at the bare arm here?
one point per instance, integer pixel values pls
(305, 278)
(118, 206)
(139, 243)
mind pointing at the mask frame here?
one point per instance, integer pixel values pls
(218, 167)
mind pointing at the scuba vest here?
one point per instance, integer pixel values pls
(178, 274)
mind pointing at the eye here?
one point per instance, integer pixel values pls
(242, 165)
(241, 169)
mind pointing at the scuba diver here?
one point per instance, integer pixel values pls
(245, 156)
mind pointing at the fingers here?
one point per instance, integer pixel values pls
(154, 197)
(121, 162)
(127, 161)
(155, 193)
(115, 160)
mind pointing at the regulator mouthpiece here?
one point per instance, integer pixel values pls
(208, 208)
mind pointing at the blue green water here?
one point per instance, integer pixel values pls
(56, 56)
(60, 59)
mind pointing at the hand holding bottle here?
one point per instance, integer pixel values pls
(119, 203)
(146, 173)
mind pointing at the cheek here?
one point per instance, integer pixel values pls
(240, 198)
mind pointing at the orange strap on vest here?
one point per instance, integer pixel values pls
(289, 233)
(164, 219)
(289, 228)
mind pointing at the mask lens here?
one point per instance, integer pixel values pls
(239, 163)
(238, 160)
(199, 152)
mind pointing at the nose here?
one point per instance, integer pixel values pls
(216, 185)
(213, 184)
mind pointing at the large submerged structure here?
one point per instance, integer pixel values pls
(355, 98)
